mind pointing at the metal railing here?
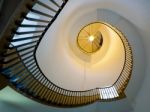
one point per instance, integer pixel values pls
(20, 67)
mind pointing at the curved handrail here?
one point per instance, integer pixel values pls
(20, 66)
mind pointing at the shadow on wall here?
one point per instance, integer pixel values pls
(131, 32)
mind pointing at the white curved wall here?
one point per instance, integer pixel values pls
(134, 26)
(63, 67)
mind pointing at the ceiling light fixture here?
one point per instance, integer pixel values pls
(90, 38)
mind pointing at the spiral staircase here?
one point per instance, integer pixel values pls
(20, 68)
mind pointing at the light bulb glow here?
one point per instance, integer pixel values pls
(91, 38)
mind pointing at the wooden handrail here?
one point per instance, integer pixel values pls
(20, 67)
